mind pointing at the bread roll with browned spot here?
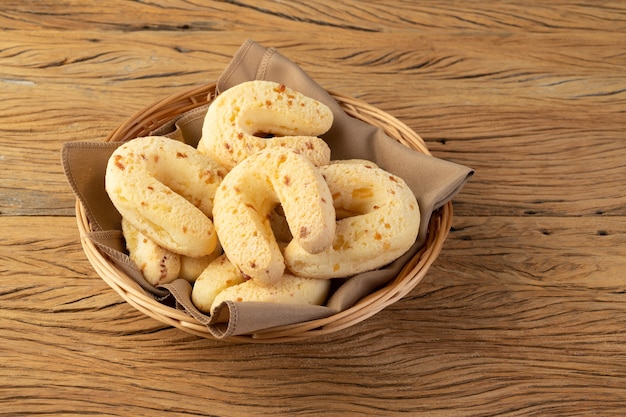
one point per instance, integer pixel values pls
(222, 281)
(378, 221)
(165, 189)
(237, 118)
(248, 194)
(289, 289)
(157, 264)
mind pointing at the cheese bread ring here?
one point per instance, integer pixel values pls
(222, 281)
(216, 277)
(378, 220)
(191, 268)
(248, 194)
(287, 290)
(264, 107)
(157, 265)
(165, 189)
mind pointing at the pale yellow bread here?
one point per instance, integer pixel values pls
(222, 281)
(165, 189)
(237, 117)
(353, 161)
(248, 194)
(378, 220)
(157, 265)
(191, 268)
(289, 289)
(216, 277)
(342, 212)
(279, 225)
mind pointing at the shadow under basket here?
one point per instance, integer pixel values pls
(158, 114)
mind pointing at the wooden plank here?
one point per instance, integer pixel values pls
(520, 314)
(355, 16)
(555, 98)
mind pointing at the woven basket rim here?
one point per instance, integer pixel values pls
(163, 111)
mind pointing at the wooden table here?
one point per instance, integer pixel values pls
(524, 311)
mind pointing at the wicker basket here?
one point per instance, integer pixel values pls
(165, 110)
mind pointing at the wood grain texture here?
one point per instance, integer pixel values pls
(438, 101)
(456, 338)
(523, 312)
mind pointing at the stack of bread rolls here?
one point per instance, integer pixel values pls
(257, 211)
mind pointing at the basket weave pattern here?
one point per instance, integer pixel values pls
(158, 114)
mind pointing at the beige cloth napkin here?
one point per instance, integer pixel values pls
(434, 182)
